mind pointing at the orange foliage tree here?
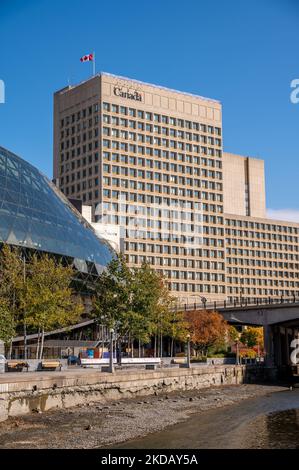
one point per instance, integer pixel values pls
(205, 329)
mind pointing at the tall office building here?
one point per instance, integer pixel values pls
(150, 159)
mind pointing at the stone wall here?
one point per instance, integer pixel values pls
(46, 391)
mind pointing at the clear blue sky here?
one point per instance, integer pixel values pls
(242, 53)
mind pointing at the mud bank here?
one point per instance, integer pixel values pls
(20, 394)
(103, 425)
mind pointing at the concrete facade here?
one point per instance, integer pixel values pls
(150, 160)
(244, 186)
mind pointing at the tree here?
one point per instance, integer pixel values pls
(7, 322)
(112, 301)
(11, 285)
(206, 329)
(151, 300)
(134, 301)
(252, 336)
(178, 328)
(233, 334)
(47, 298)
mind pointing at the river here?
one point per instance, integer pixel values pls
(268, 422)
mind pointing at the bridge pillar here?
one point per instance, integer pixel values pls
(277, 346)
(268, 346)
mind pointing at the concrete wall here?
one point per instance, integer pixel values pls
(239, 171)
(64, 390)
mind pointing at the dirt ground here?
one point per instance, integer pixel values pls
(95, 425)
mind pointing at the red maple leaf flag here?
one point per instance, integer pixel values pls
(86, 58)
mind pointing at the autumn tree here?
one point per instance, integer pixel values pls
(252, 336)
(206, 329)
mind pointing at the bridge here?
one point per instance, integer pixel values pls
(279, 318)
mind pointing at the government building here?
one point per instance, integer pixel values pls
(149, 160)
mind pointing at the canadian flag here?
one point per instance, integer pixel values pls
(86, 58)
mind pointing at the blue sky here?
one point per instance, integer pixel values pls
(242, 53)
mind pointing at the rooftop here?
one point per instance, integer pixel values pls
(138, 82)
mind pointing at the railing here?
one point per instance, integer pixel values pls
(240, 302)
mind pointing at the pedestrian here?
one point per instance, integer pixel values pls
(204, 302)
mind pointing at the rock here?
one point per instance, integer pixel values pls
(88, 427)
(190, 399)
(36, 410)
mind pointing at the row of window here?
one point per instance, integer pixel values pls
(142, 150)
(147, 198)
(128, 135)
(157, 188)
(262, 282)
(264, 246)
(263, 272)
(260, 236)
(254, 258)
(183, 169)
(200, 288)
(82, 114)
(159, 118)
(85, 148)
(259, 293)
(182, 166)
(81, 128)
(261, 226)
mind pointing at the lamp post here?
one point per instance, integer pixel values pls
(111, 364)
(237, 353)
(188, 352)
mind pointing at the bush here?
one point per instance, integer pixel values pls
(248, 353)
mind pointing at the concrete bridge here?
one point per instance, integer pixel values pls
(278, 317)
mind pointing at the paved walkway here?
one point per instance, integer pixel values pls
(9, 377)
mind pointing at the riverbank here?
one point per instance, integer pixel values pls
(20, 393)
(101, 425)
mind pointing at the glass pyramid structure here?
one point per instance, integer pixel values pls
(34, 214)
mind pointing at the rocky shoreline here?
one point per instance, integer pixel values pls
(95, 425)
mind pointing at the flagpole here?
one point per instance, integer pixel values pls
(94, 63)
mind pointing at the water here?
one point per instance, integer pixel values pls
(269, 422)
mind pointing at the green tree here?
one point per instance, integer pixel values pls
(48, 298)
(7, 322)
(233, 334)
(135, 302)
(150, 302)
(11, 286)
(112, 301)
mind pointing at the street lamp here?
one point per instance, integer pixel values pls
(188, 352)
(111, 364)
(237, 353)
